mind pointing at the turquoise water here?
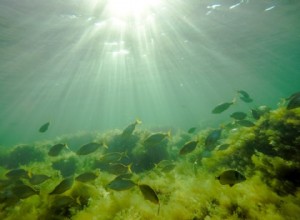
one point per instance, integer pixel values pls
(87, 65)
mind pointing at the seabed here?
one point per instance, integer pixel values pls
(267, 154)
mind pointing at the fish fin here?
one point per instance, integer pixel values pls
(231, 185)
(217, 177)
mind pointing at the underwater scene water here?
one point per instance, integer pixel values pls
(162, 109)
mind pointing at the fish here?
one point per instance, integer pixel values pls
(63, 186)
(23, 191)
(120, 184)
(86, 177)
(119, 168)
(188, 147)
(56, 149)
(168, 168)
(44, 127)
(4, 183)
(223, 146)
(243, 93)
(294, 101)
(112, 157)
(66, 166)
(63, 201)
(17, 174)
(230, 177)
(238, 115)
(222, 107)
(212, 138)
(165, 165)
(124, 176)
(192, 130)
(156, 138)
(246, 123)
(130, 128)
(293, 96)
(246, 99)
(245, 96)
(38, 179)
(88, 148)
(149, 194)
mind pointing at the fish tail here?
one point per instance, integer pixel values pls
(124, 154)
(67, 147)
(29, 174)
(104, 145)
(138, 121)
(129, 168)
(234, 100)
(169, 134)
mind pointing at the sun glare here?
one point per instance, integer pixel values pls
(134, 8)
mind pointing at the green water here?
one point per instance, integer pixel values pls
(95, 67)
(84, 66)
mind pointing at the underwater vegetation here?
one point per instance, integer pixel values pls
(247, 168)
(21, 155)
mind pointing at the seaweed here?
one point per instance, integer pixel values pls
(267, 154)
(22, 155)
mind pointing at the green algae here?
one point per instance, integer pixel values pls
(267, 154)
